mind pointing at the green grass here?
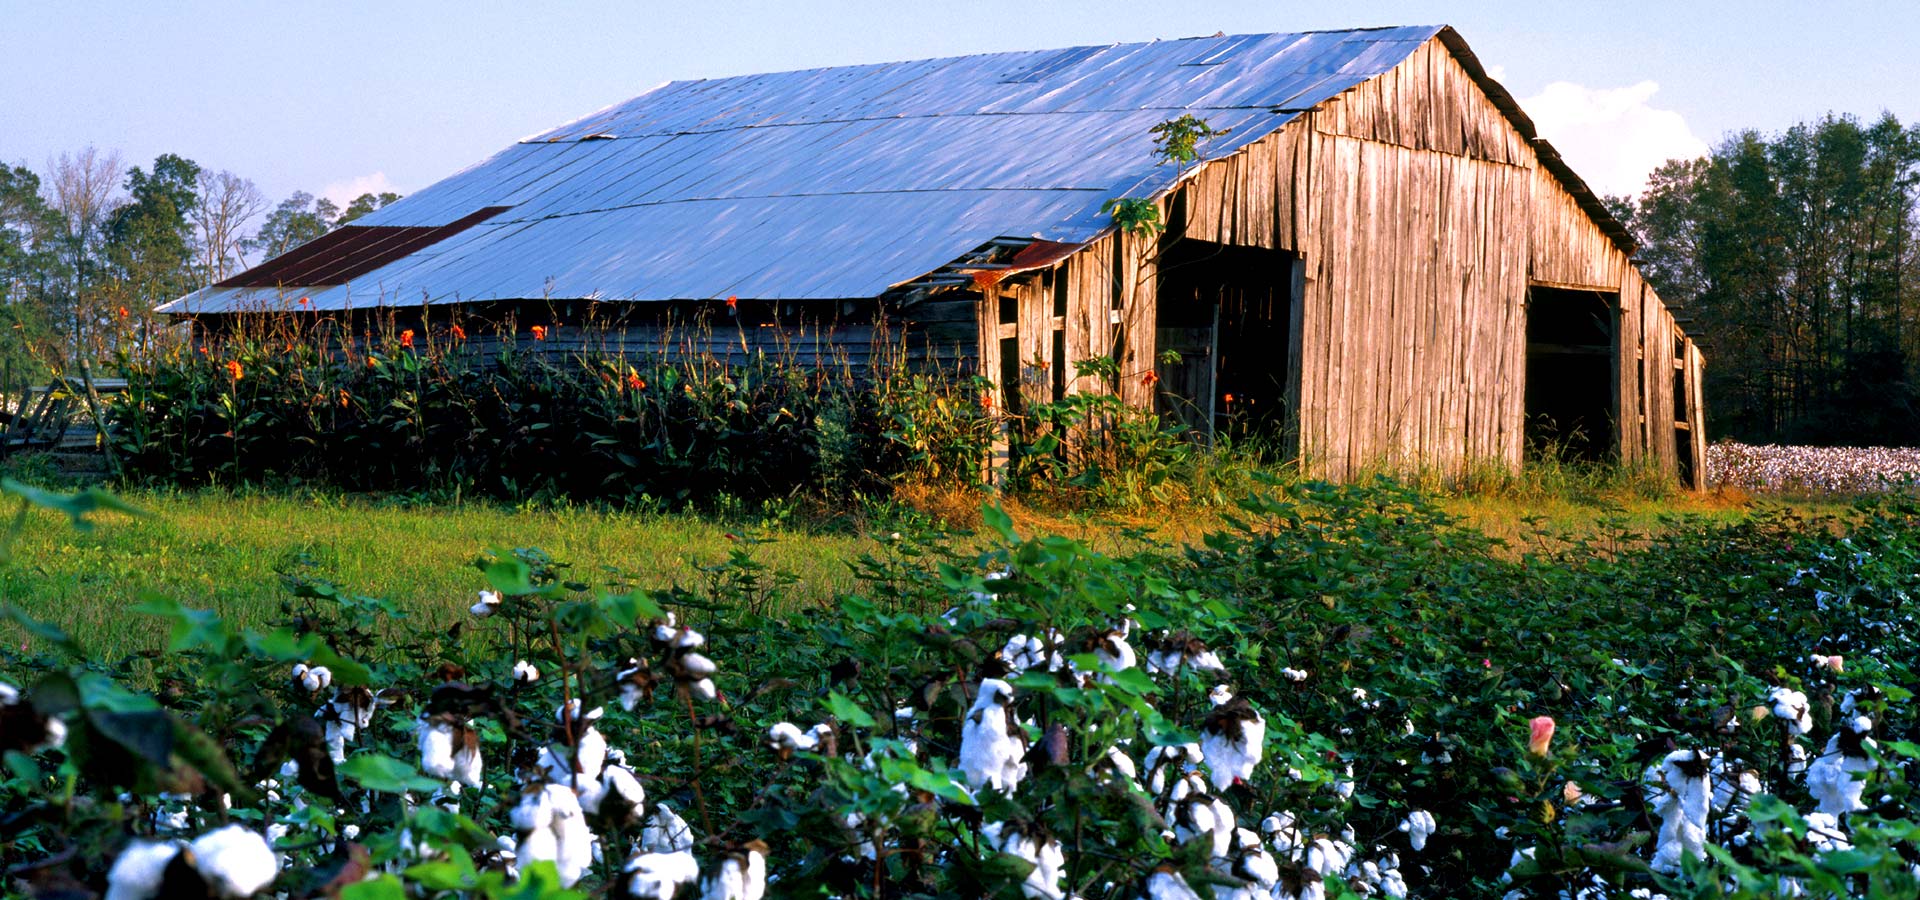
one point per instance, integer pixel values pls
(225, 551)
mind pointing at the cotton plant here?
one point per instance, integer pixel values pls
(1036, 847)
(230, 863)
(1232, 740)
(1837, 778)
(553, 828)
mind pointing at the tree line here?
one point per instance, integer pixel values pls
(1795, 254)
(89, 245)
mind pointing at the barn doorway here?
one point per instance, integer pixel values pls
(1229, 314)
(1572, 390)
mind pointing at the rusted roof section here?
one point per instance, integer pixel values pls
(825, 183)
(349, 251)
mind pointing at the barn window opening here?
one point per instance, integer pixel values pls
(1226, 313)
(1572, 400)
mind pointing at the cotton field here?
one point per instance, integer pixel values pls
(1836, 470)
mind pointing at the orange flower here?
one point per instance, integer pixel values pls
(123, 312)
(233, 369)
(306, 301)
(1229, 398)
(1150, 379)
(539, 332)
(733, 302)
(406, 338)
(459, 334)
(344, 398)
(635, 382)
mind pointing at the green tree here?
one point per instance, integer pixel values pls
(363, 204)
(150, 239)
(297, 220)
(1796, 251)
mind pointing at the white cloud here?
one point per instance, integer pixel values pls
(1613, 137)
(343, 192)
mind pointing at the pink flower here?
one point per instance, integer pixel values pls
(1540, 734)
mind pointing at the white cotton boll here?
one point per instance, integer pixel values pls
(591, 753)
(786, 738)
(534, 812)
(1418, 825)
(234, 861)
(1281, 831)
(1168, 885)
(436, 748)
(1221, 695)
(704, 690)
(737, 878)
(1292, 674)
(1837, 778)
(316, 679)
(657, 876)
(525, 672)
(666, 832)
(488, 604)
(1683, 807)
(137, 873)
(1119, 763)
(698, 665)
(989, 753)
(1344, 786)
(1328, 857)
(688, 639)
(1207, 661)
(539, 844)
(1116, 655)
(574, 846)
(1791, 705)
(467, 764)
(1049, 862)
(1234, 751)
(620, 784)
(1825, 834)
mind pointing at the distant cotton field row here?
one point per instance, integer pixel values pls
(1772, 467)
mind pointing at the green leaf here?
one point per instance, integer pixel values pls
(996, 518)
(147, 735)
(848, 711)
(445, 875)
(385, 887)
(384, 773)
(207, 757)
(76, 506)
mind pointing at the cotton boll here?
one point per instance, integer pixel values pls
(1174, 760)
(1292, 674)
(615, 796)
(139, 870)
(1049, 862)
(1825, 834)
(1232, 739)
(1418, 825)
(1166, 884)
(1220, 695)
(698, 665)
(590, 754)
(435, 737)
(704, 690)
(234, 861)
(1836, 779)
(466, 758)
(525, 672)
(488, 604)
(1792, 706)
(741, 875)
(787, 739)
(656, 876)
(990, 754)
(1683, 807)
(665, 832)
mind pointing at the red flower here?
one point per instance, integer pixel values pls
(406, 338)
(733, 302)
(459, 334)
(1150, 379)
(539, 332)
(306, 301)
(635, 382)
(233, 369)
(1229, 398)
(123, 312)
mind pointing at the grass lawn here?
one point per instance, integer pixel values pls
(225, 551)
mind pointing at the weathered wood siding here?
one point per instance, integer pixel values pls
(1422, 214)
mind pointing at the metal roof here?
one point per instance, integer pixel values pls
(833, 183)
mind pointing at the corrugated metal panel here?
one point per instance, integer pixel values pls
(832, 183)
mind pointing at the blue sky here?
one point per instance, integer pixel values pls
(340, 97)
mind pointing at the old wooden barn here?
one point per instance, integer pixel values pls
(1376, 260)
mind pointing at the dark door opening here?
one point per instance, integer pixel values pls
(1227, 312)
(1572, 400)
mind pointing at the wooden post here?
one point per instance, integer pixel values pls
(99, 419)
